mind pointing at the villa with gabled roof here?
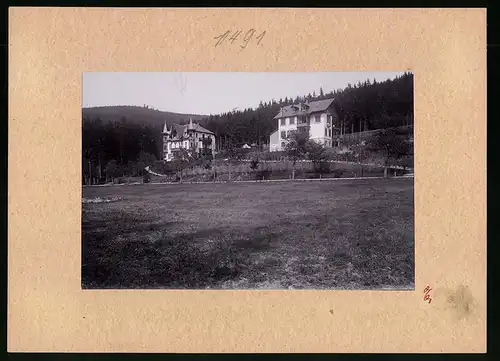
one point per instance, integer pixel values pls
(191, 136)
(316, 118)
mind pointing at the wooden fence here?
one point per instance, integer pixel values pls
(274, 170)
(244, 167)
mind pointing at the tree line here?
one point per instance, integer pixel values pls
(124, 148)
(128, 146)
(368, 105)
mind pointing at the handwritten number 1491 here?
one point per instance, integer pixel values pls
(240, 37)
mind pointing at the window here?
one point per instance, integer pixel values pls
(329, 132)
(292, 120)
(283, 134)
(165, 139)
(326, 132)
(283, 121)
(317, 118)
(203, 136)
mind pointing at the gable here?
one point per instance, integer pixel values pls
(198, 128)
(312, 107)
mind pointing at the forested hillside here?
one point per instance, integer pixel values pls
(127, 134)
(364, 106)
(140, 115)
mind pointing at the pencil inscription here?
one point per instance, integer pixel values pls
(238, 37)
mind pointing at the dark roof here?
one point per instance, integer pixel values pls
(312, 107)
(200, 129)
(180, 129)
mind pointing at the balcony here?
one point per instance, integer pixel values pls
(303, 130)
(302, 121)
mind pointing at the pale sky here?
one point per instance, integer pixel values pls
(210, 93)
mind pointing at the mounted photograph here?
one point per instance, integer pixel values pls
(248, 180)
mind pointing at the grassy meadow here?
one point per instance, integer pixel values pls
(342, 234)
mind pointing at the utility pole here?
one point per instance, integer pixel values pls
(214, 166)
(360, 159)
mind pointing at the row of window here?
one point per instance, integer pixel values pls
(291, 120)
(176, 145)
(284, 133)
(197, 136)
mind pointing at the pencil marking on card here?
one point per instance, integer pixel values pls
(241, 37)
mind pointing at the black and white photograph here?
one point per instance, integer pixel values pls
(248, 180)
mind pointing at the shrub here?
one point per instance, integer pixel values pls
(337, 173)
(263, 174)
(146, 178)
(322, 167)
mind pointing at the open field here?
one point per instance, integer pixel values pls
(344, 234)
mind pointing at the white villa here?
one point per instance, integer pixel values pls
(187, 136)
(315, 118)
